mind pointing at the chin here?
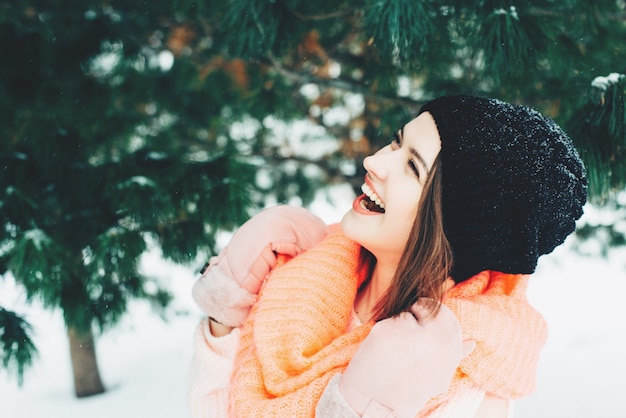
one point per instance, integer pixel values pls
(356, 227)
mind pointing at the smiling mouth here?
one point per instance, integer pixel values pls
(371, 201)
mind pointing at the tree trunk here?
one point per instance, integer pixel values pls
(87, 380)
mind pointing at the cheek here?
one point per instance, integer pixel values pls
(401, 221)
(405, 213)
(407, 201)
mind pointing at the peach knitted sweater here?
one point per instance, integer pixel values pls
(296, 338)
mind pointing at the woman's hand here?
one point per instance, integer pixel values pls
(404, 361)
(229, 285)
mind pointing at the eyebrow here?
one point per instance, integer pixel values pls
(415, 153)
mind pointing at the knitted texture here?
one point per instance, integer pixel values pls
(295, 339)
(493, 311)
(492, 305)
(513, 184)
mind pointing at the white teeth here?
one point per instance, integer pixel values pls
(372, 195)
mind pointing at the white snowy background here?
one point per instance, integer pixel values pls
(144, 360)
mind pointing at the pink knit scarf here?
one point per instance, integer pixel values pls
(296, 338)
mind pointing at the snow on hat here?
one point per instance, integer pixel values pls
(513, 184)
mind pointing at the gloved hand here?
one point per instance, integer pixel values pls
(403, 362)
(229, 285)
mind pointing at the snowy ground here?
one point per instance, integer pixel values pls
(144, 360)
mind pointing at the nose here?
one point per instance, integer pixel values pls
(377, 165)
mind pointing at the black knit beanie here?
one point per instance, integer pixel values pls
(513, 184)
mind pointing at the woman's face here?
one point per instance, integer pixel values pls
(381, 218)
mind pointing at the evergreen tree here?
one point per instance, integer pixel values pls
(123, 121)
(104, 146)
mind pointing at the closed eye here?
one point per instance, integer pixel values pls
(397, 142)
(414, 168)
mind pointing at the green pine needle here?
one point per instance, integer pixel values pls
(17, 350)
(35, 262)
(599, 131)
(253, 26)
(509, 39)
(401, 28)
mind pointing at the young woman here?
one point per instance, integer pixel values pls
(362, 318)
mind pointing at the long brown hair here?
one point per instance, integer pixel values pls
(426, 260)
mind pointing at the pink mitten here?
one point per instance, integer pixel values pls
(229, 285)
(404, 361)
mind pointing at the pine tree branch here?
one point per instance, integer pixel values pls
(538, 11)
(303, 78)
(333, 174)
(17, 350)
(339, 13)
